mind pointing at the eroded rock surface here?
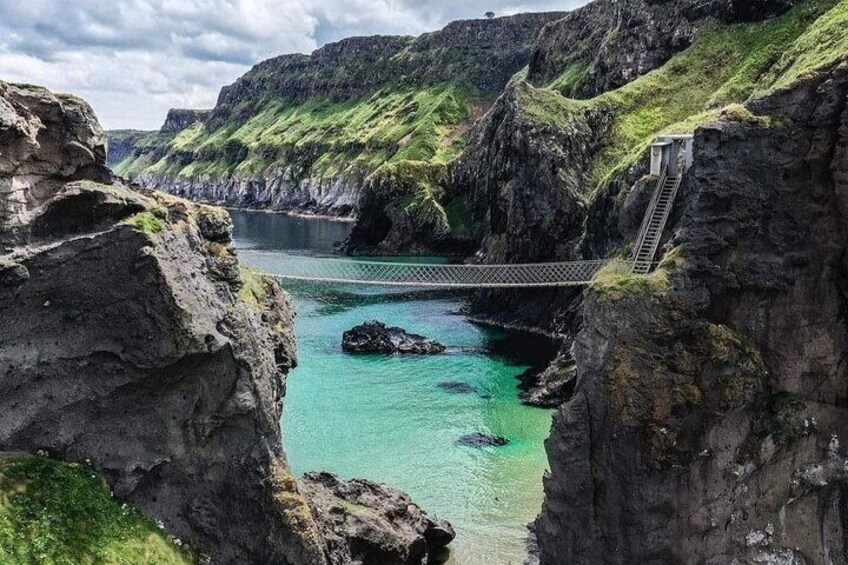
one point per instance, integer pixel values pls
(127, 343)
(375, 337)
(366, 522)
(710, 399)
(131, 338)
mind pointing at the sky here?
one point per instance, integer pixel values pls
(134, 59)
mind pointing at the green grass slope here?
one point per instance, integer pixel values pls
(725, 66)
(54, 513)
(327, 138)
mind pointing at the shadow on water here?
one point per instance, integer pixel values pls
(520, 348)
(259, 230)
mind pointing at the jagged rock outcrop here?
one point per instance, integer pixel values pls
(710, 399)
(551, 386)
(48, 140)
(528, 179)
(131, 339)
(375, 337)
(128, 344)
(352, 517)
(179, 119)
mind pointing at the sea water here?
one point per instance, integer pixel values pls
(387, 419)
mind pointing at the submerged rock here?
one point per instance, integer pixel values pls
(366, 522)
(479, 439)
(375, 337)
(457, 387)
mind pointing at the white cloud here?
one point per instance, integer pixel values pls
(134, 59)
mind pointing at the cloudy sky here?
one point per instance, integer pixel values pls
(134, 59)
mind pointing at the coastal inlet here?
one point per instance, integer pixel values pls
(399, 419)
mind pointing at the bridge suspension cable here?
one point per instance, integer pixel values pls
(351, 271)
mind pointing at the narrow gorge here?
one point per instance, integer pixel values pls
(695, 414)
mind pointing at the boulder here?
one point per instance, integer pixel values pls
(375, 337)
(366, 522)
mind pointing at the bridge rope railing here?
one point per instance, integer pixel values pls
(349, 271)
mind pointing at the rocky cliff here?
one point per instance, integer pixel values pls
(132, 340)
(700, 408)
(704, 403)
(313, 132)
(710, 398)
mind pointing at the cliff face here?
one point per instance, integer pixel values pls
(544, 170)
(306, 132)
(132, 339)
(482, 53)
(616, 42)
(128, 344)
(710, 399)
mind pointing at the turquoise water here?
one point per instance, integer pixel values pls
(387, 419)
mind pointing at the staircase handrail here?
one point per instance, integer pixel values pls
(649, 212)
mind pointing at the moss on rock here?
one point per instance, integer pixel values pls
(146, 222)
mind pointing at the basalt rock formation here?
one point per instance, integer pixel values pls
(375, 337)
(131, 339)
(352, 518)
(710, 398)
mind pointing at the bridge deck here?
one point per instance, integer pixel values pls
(383, 273)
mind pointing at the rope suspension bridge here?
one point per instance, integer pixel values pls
(526, 275)
(471, 276)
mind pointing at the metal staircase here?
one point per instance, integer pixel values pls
(656, 217)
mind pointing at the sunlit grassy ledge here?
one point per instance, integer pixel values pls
(60, 513)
